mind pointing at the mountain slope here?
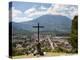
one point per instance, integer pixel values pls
(50, 22)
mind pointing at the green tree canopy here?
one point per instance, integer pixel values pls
(74, 34)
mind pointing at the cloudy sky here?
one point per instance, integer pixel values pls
(26, 11)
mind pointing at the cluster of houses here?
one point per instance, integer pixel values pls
(55, 41)
(46, 40)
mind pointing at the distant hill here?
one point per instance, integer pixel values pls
(55, 23)
(16, 29)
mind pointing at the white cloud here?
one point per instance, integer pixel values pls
(15, 12)
(64, 10)
(37, 13)
(18, 16)
(22, 19)
(29, 11)
(42, 7)
(32, 13)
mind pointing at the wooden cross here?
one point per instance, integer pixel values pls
(38, 26)
(39, 51)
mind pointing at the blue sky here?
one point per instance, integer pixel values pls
(24, 6)
(27, 11)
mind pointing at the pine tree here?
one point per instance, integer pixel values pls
(74, 34)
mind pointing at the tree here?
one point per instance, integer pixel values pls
(74, 34)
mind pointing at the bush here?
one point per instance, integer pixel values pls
(17, 52)
(47, 49)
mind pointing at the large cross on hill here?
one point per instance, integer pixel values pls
(38, 46)
(38, 26)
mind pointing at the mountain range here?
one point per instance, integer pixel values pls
(50, 22)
